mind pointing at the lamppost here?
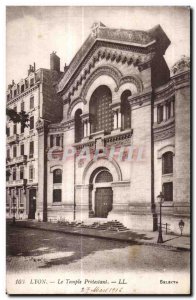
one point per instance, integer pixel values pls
(181, 225)
(160, 200)
(14, 209)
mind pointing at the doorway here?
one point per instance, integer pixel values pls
(100, 193)
(103, 202)
(32, 203)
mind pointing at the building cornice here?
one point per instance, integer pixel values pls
(42, 125)
(164, 92)
(63, 126)
(164, 130)
(108, 70)
(111, 52)
(140, 98)
(24, 94)
(181, 79)
(138, 41)
(121, 138)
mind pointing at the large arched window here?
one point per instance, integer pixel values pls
(57, 176)
(125, 110)
(78, 126)
(167, 163)
(101, 113)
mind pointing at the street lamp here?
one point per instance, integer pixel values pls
(181, 225)
(160, 200)
(14, 209)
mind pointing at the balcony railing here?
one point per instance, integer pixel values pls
(21, 159)
(18, 182)
(13, 139)
(122, 137)
(17, 160)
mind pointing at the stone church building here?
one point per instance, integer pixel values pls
(124, 135)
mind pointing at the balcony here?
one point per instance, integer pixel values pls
(13, 139)
(17, 160)
(21, 159)
(18, 182)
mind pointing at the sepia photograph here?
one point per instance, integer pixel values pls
(98, 134)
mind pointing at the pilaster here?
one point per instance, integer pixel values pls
(141, 168)
(42, 128)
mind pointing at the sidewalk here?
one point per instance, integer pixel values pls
(133, 237)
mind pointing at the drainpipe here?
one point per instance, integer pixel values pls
(153, 207)
(74, 187)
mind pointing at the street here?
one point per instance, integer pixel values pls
(32, 249)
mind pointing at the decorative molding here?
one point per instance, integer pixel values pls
(123, 138)
(181, 80)
(125, 183)
(111, 51)
(63, 126)
(21, 96)
(85, 116)
(165, 131)
(181, 65)
(41, 125)
(123, 35)
(73, 103)
(109, 55)
(111, 161)
(114, 73)
(132, 79)
(164, 149)
(115, 105)
(165, 92)
(55, 168)
(87, 45)
(81, 145)
(140, 99)
(103, 70)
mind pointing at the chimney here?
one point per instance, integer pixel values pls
(65, 67)
(54, 62)
(29, 70)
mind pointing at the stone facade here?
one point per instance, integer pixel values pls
(35, 95)
(121, 139)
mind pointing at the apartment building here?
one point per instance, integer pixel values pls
(35, 95)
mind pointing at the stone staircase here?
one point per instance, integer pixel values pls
(114, 226)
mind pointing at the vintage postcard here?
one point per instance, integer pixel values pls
(98, 150)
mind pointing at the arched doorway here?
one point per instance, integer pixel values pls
(101, 194)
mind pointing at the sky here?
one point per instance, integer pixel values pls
(33, 32)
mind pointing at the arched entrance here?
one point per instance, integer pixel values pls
(100, 193)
